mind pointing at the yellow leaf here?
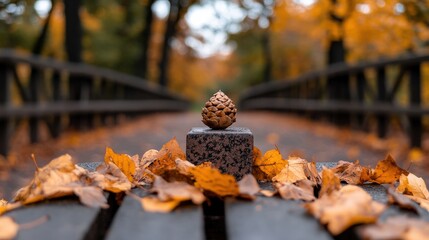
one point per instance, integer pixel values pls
(387, 171)
(166, 158)
(210, 179)
(330, 182)
(293, 171)
(153, 204)
(8, 228)
(270, 164)
(413, 185)
(346, 207)
(256, 170)
(123, 161)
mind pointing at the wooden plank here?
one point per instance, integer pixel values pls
(132, 222)
(67, 220)
(271, 218)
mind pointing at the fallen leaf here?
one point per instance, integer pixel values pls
(248, 187)
(122, 161)
(153, 204)
(8, 228)
(3, 202)
(312, 174)
(178, 191)
(148, 157)
(212, 180)
(256, 170)
(387, 171)
(268, 193)
(50, 181)
(301, 190)
(110, 178)
(351, 173)
(396, 227)
(91, 196)
(330, 182)
(345, 207)
(270, 164)
(424, 203)
(166, 158)
(293, 171)
(396, 198)
(413, 185)
(5, 206)
(184, 167)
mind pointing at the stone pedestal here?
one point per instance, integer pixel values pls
(230, 150)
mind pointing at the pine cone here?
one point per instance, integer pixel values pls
(219, 112)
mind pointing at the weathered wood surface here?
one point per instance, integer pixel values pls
(264, 218)
(131, 222)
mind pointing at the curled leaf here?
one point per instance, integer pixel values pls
(301, 190)
(351, 173)
(153, 204)
(293, 171)
(166, 158)
(270, 164)
(330, 182)
(212, 180)
(387, 171)
(178, 191)
(122, 161)
(248, 187)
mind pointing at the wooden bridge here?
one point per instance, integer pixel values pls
(70, 95)
(353, 95)
(65, 95)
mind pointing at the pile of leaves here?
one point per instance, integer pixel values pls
(171, 180)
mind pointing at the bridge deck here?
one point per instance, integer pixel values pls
(292, 135)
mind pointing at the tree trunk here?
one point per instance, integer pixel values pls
(170, 31)
(40, 42)
(142, 62)
(267, 55)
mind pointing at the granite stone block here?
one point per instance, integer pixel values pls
(230, 150)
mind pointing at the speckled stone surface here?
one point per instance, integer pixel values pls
(230, 150)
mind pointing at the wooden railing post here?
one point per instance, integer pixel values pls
(35, 80)
(360, 85)
(382, 120)
(56, 95)
(415, 100)
(5, 81)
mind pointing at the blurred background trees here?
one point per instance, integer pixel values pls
(197, 46)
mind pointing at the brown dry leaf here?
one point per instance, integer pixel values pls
(122, 161)
(387, 171)
(397, 227)
(8, 228)
(3, 202)
(110, 178)
(166, 158)
(210, 179)
(424, 203)
(344, 208)
(396, 198)
(91, 196)
(51, 181)
(413, 185)
(312, 174)
(248, 187)
(153, 204)
(293, 171)
(5, 206)
(184, 167)
(351, 173)
(148, 157)
(301, 190)
(178, 191)
(270, 164)
(330, 182)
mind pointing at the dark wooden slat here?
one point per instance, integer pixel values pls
(4, 100)
(415, 96)
(67, 220)
(131, 222)
(332, 106)
(382, 120)
(271, 218)
(100, 106)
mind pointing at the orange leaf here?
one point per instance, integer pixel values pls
(123, 161)
(387, 171)
(166, 158)
(351, 173)
(153, 204)
(178, 191)
(270, 164)
(110, 178)
(256, 170)
(330, 182)
(210, 179)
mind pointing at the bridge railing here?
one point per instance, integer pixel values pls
(359, 95)
(60, 95)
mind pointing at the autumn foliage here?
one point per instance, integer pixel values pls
(169, 180)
